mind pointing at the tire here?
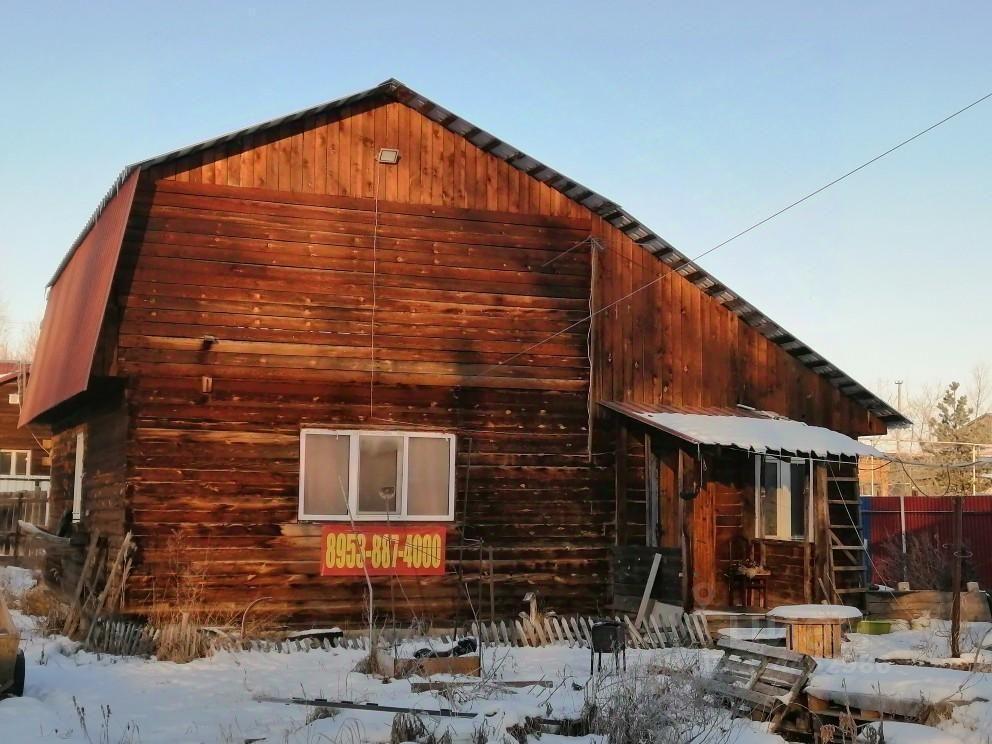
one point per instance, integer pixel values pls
(17, 689)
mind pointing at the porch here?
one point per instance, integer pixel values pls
(746, 511)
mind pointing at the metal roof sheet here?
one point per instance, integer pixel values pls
(76, 306)
(608, 210)
(751, 432)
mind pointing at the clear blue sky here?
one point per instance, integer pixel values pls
(698, 121)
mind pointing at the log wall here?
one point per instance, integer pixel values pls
(254, 269)
(26, 438)
(282, 283)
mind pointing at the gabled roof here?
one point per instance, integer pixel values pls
(608, 210)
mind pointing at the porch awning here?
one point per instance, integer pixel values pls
(749, 430)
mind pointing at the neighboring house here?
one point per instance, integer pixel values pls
(24, 462)
(374, 311)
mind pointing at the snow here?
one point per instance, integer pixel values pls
(214, 699)
(753, 634)
(762, 434)
(914, 733)
(14, 581)
(814, 611)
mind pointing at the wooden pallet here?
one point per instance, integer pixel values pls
(759, 681)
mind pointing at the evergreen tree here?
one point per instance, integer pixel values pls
(949, 425)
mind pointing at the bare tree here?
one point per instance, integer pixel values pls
(6, 334)
(28, 343)
(980, 388)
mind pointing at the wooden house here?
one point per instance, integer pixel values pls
(24, 463)
(374, 318)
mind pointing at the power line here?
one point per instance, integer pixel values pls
(740, 234)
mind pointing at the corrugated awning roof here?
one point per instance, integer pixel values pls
(748, 430)
(606, 209)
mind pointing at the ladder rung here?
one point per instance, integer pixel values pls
(849, 568)
(844, 527)
(858, 590)
(848, 547)
(843, 501)
(844, 479)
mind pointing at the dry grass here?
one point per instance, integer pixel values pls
(643, 706)
(182, 635)
(926, 565)
(408, 727)
(38, 601)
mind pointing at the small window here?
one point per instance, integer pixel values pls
(15, 462)
(782, 497)
(373, 475)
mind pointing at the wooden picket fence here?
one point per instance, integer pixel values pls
(132, 638)
(690, 630)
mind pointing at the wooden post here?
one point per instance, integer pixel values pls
(492, 588)
(18, 515)
(687, 485)
(821, 530)
(956, 577)
(621, 482)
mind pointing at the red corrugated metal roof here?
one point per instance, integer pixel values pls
(75, 310)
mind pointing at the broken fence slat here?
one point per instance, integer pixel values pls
(659, 633)
(521, 636)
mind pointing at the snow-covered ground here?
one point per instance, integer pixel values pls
(75, 696)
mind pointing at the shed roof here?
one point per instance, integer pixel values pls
(751, 431)
(606, 209)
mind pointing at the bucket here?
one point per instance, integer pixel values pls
(874, 627)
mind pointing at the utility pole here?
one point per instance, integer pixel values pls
(956, 576)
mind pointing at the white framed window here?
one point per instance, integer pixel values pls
(77, 479)
(781, 497)
(15, 462)
(376, 476)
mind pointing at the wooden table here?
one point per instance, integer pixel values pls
(814, 629)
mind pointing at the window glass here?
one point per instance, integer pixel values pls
(770, 487)
(379, 473)
(20, 463)
(428, 478)
(325, 482)
(6, 463)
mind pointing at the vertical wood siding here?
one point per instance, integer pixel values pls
(673, 344)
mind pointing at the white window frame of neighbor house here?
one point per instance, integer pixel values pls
(13, 463)
(784, 500)
(401, 512)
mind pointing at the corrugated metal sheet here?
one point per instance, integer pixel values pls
(745, 429)
(931, 518)
(608, 210)
(75, 309)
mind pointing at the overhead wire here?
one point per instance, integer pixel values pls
(743, 232)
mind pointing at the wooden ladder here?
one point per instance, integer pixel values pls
(847, 550)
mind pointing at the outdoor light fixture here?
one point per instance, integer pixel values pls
(389, 156)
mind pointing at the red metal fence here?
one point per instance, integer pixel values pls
(931, 519)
